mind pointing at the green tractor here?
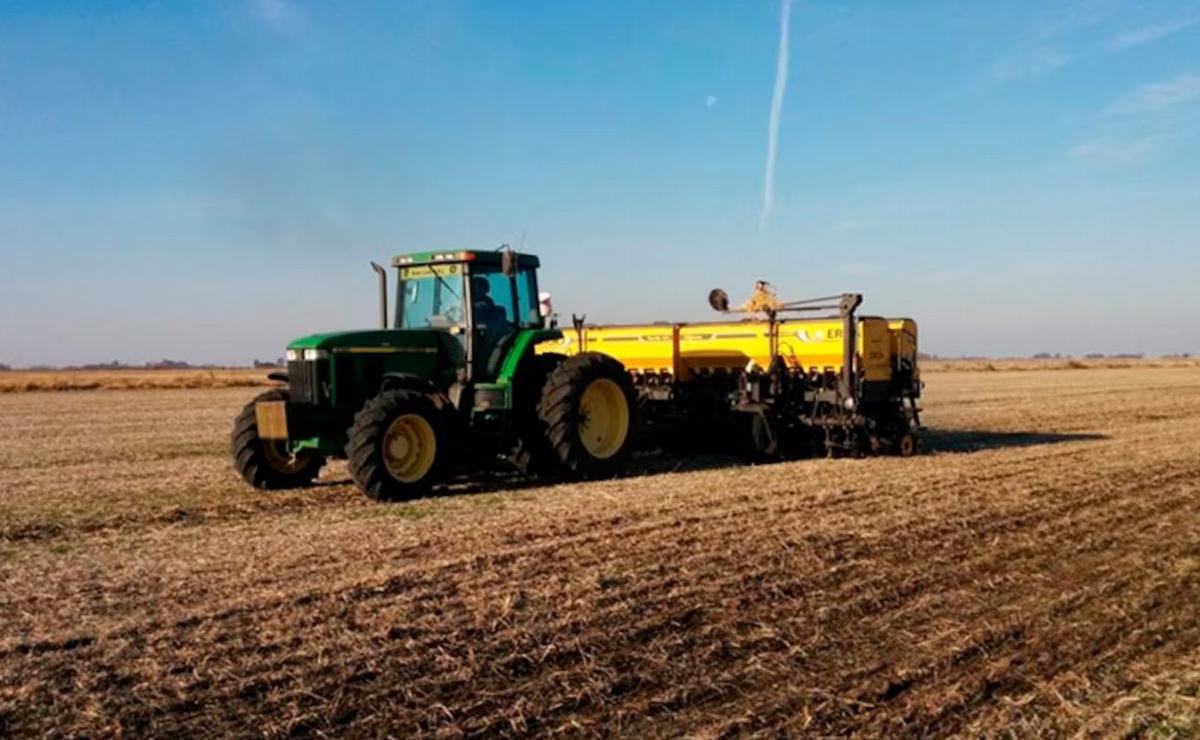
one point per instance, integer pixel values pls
(454, 383)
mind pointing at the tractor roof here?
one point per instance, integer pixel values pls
(489, 258)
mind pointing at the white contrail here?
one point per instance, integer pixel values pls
(781, 70)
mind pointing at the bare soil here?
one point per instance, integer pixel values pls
(1037, 574)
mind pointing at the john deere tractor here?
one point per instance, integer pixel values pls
(451, 380)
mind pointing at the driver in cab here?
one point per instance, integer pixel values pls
(490, 318)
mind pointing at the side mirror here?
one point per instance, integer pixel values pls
(719, 300)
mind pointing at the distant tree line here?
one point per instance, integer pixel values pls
(280, 362)
(1092, 356)
(1100, 356)
(158, 365)
(163, 364)
(1060, 356)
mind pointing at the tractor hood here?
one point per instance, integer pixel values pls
(373, 340)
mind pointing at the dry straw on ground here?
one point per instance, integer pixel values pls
(1038, 574)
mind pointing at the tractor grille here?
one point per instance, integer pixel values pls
(304, 381)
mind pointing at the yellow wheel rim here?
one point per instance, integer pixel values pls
(604, 418)
(409, 447)
(276, 453)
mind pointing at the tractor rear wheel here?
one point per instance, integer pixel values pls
(588, 409)
(530, 451)
(396, 446)
(267, 463)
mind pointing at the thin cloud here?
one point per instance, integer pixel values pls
(1157, 96)
(846, 226)
(1149, 34)
(1070, 16)
(781, 72)
(710, 101)
(1058, 24)
(1030, 64)
(1111, 149)
(1136, 127)
(276, 14)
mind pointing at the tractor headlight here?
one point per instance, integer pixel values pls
(315, 354)
(292, 355)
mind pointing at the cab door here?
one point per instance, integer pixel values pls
(493, 321)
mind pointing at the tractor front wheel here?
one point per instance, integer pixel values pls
(267, 463)
(396, 446)
(588, 409)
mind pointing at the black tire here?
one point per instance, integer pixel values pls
(566, 452)
(530, 450)
(760, 441)
(907, 445)
(375, 472)
(265, 463)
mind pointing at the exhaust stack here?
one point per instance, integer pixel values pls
(383, 307)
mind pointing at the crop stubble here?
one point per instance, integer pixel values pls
(1038, 574)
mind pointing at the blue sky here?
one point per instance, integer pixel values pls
(206, 180)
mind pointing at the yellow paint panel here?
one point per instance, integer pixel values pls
(564, 346)
(904, 341)
(724, 346)
(685, 349)
(647, 349)
(875, 349)
(812, 344)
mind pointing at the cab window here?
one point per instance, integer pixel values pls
(492, 300)
(527, 299)
(431, 296)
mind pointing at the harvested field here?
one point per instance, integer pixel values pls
(1038, 574)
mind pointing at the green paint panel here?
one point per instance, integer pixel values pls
(525, 341)
(399, 339)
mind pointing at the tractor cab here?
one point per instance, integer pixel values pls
(483, 299)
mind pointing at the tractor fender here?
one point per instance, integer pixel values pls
(522, 345)
(408, 381)
(394, 381)
(278, 376)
